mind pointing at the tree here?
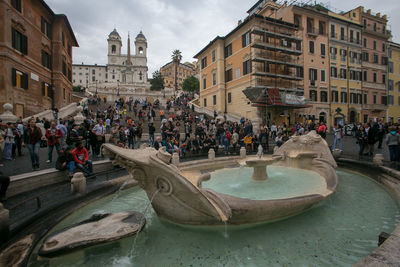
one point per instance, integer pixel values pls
(157, 82)
(77, 88)
(191, 84)
(176, 58)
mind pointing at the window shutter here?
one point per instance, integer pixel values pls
(24, 44)
(13, 76)
(43, 89)
(43, 26)
(13, 37)
(243, 40)
(25, 81)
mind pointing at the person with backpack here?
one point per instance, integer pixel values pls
(322, 130)
(53, 136)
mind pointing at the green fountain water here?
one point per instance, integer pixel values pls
(339, 232)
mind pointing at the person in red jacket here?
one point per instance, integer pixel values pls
(53, 136)
(81, 159)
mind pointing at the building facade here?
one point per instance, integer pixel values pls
(126, 71)
(182, 71)
(35, 57)
(255, 71)
(393, 85)
(374, 63)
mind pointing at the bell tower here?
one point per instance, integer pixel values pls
(141, 45)
(114, 44)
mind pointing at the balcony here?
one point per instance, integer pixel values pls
(312, 31)
(266, 46)
(377, 107)
(380, 86)
(387, 34)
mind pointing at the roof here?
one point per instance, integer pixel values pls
(246, 20)
(114, 32)
(140, 35)
(64, 17)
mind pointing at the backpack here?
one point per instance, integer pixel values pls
(228, 135)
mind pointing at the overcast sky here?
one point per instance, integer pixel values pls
(187, 25)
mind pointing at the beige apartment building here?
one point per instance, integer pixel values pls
(181, 71)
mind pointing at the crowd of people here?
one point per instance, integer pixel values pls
(177, 127)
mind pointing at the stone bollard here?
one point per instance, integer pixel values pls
(211, 154)
(78, 184)
(4, 223)
(378, 160)
(242, 152)
(175, 159)
(336, 153)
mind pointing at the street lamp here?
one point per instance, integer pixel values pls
(118, 88)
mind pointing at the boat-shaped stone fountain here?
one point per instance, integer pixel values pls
(178, 199)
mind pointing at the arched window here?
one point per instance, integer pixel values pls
(141, 51)
(113, 49)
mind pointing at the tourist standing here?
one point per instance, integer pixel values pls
(9, 136)
(393, 141)
(338, 134)
(362, 139)
(99, 130)
(53, 136)
(32, 138)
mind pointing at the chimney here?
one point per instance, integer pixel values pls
(384, 17)
(378, 14)
(369, 11)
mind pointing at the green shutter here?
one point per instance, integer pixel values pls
(13, 77)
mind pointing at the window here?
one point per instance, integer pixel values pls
(324, 96)
(365, 23)
(359, 96)
(323, 76)
(63, 40)
(343, 97)
(351, 36)
(229, 98)
(334, 72)
(310, 25)
(365, 56)
(205, 102)
(16, 4)
(64, 95)
(333, 34)
(343, 73)
(365, 43)
(390, 53)
(113, 49)
(93, 79)
(365, 98)
(358, 37)
(19, 79)
(299, 72)
(383, 47)
(374, 45)
(385, 60)
(93, 72)
(204, 83)
(343, 54)
(64, 68)
(375, 26)
(335, 96)
(313, 95)
(353, 98)
(46, 27)
(323, 52)
(390, 85)
(390, 100)
(46, 59)
(342, 33)
(246, 39)
(313, 76)
(246, 67)
(374, 98)
(228, 50)
(228, 75)
(321, 27)
(333, 52)
(390, 67)
(214, 77)
(214, 100)
(374, 79)
(213, 56)
(204, 62)
(19, 41)
(45, 89)
(311, 47)
(237, 73)
(383, 78)
(297, 20)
